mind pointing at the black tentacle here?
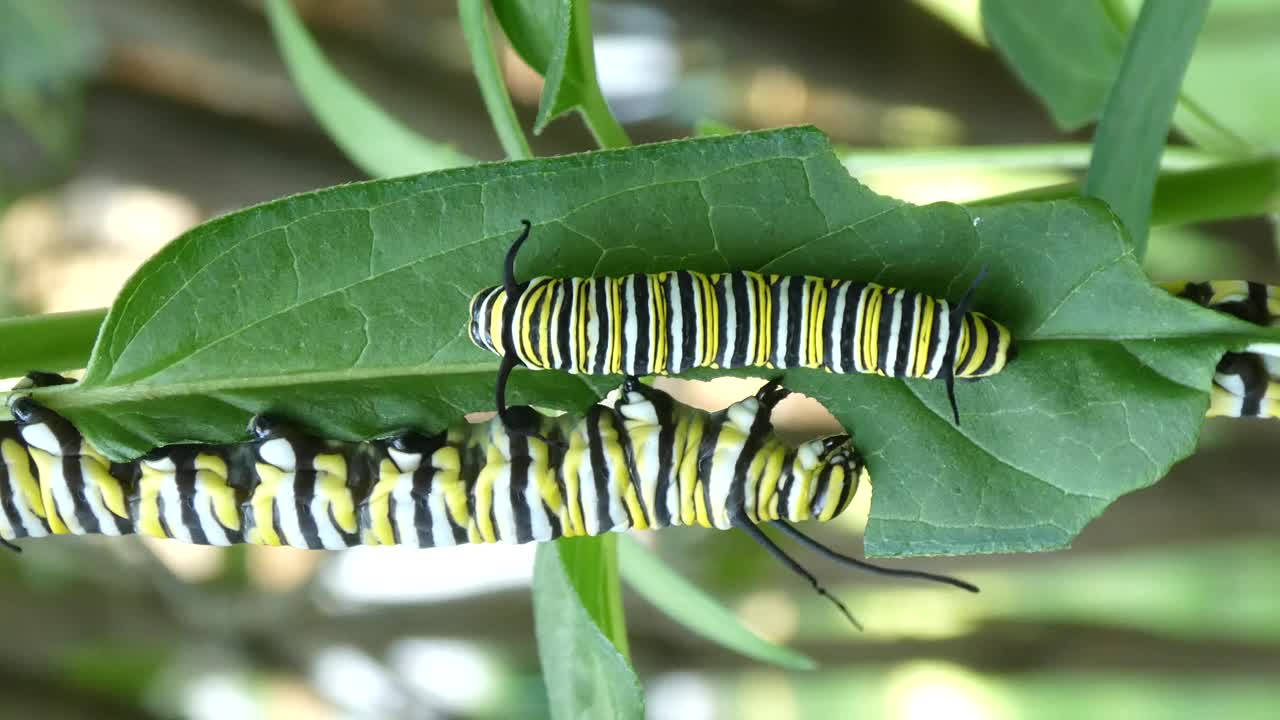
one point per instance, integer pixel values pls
(510, 422)
(869, 567)
(740, 521)
(956, 320)
(509, 266)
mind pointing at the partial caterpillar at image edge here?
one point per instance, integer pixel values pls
(668, 322)
(648, 462)
(1247, 383)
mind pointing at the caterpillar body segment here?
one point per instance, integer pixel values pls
(669, 322)
(1245, 384)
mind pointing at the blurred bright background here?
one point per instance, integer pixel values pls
(123, 123)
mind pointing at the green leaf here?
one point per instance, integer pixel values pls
(484, 61)
(591, 564)
(1135, 119)
(585, 674)
(1067, 53)
(554, 38)
(348, 308)
(373, 140)
(683, 602)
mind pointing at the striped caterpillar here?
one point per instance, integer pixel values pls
(669, 322)
(648, 462)
(1244, 383)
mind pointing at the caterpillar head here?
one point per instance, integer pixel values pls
(487, 310)
(824, 477)
(42, 428)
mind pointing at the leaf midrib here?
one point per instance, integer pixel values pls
(77, 396)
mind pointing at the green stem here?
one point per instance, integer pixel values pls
(1239, 189)
(484, 61)
(1004, 157)
(56, 342)
(600, 121)
(1218, 192)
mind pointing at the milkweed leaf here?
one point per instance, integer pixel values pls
(347, 308)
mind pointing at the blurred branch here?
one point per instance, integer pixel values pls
(54, 342)
(44, 695)
(1002, 157)
(1218, 192)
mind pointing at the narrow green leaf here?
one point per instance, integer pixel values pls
(591, 564)
(348, 308)
(1218, 192)
(1135, 119)
(376, 142)
(554, 38)
(484, 61)
(532, 28)
(54, 342)
(685, 603)
(586, 675)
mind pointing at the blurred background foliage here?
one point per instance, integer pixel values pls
(123, 123)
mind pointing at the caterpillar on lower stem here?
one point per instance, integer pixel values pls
(666, 323)
(1244, 383)
(647, 462)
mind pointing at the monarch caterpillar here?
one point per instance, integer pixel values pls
(669, 322)
(648, 462)
(1244, 383)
